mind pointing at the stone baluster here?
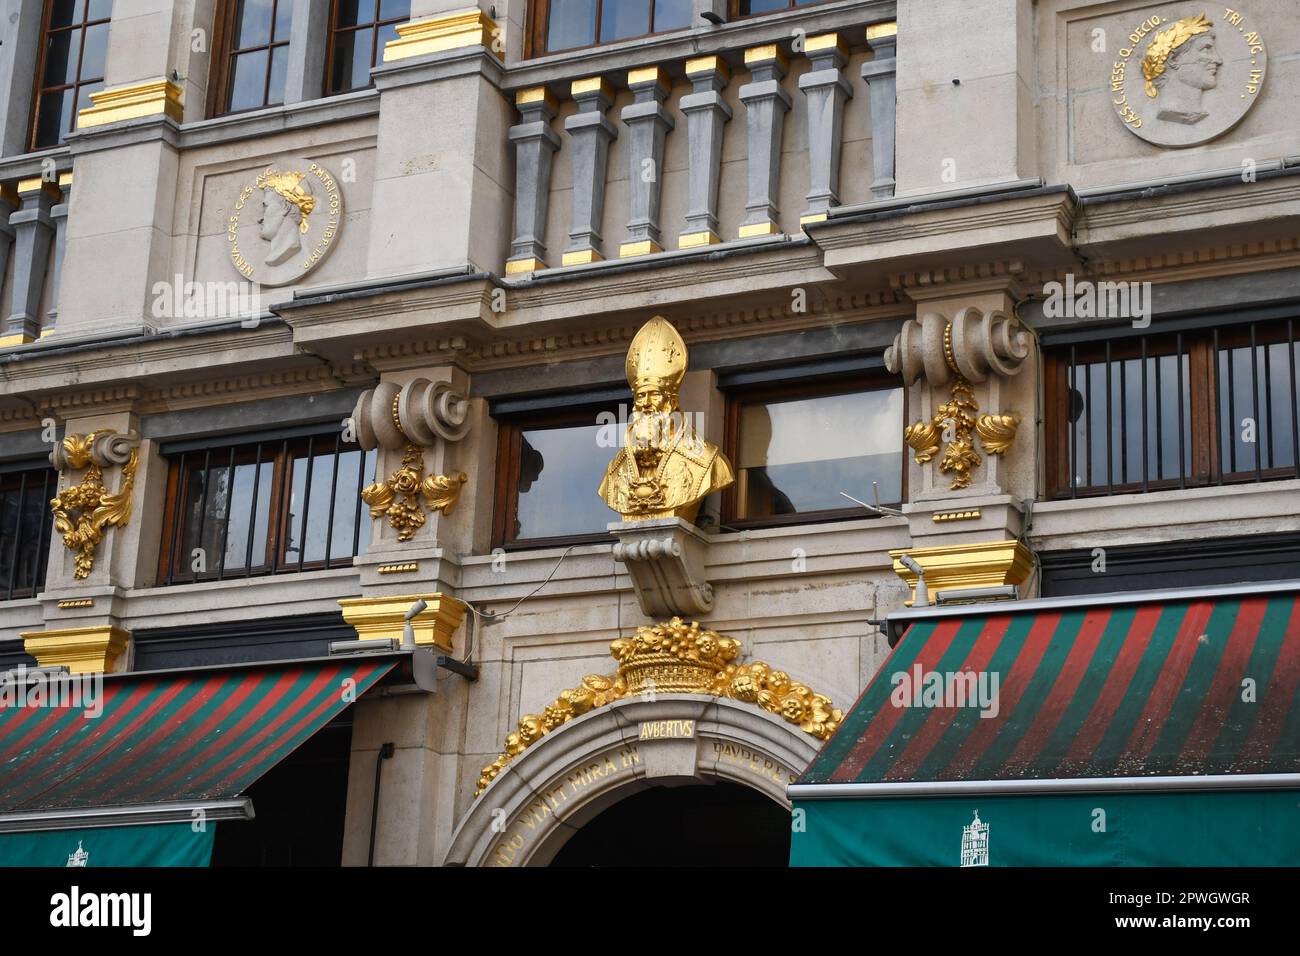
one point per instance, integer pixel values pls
(591, 133)
(766, 104)
(882, 82)
(826, 92)
(705, 115)
(33, 236)
(59, 213)
(535, 146)
(648, 124)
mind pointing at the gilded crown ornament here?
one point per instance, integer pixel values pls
(83, 512)
(664, 468)
(675, 657)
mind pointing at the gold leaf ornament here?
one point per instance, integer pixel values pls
(675, 657)
(84, 511)
(398, 497)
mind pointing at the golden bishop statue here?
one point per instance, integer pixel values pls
(664, 468)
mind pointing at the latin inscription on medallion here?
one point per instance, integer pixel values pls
(1186, 78)
(284, 223)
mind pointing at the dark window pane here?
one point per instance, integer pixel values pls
(392, 9)
(242, 514)
(83, 95)
(386, 36)
(54, 118)
(283, 20)
(206, 505)
(9, 520)
(99, 10)
(279, 74)
(65, 13)
(559, 472)
(252, 24)
(762, 6)
(248, 81)
(351, 68)
(61, 58)
(628, 18)
(796, 456)
(572, 23)
(94, 51)
(351, 12)
(672, 15)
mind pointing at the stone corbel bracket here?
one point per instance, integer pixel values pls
(665, 560)
(974, 347)
(417, 413)
(411, 417)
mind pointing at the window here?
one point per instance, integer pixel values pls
(25, 527)
(745, 8)
(272, 503)
(566, 24)
(795, 447)
(253, 60)
(549, 466)
(74, 45)
(1207, 405)
(358, 31)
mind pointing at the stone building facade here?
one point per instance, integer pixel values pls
(969, 263)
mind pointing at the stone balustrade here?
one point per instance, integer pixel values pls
(702, 151)
(33, 235)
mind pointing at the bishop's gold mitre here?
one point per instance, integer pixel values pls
(672, 472)
(656, 357)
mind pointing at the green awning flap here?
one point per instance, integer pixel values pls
(1179, 708)
(141, 765)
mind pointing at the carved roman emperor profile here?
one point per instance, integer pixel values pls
(284, 221)
(664, 468)
(1180, 64)
(1182, 79)
(285, 208)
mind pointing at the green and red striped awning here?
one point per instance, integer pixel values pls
(172, 737)
(1149, 730)
(1174, 687)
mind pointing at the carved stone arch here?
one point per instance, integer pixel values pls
(575, 772)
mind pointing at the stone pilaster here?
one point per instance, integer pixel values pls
(648, 124)
(706, 113)
(535, 146)
(33, 238)
(591, 133)
(766, 103)
(826, 92)
(880, 74)
(18, 56)
(9, 201)
(59, 213)
(308, 44)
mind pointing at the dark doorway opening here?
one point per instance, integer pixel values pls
(724, 824)
(299, 805)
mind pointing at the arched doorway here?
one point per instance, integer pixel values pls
(654, 756)
(699, 825)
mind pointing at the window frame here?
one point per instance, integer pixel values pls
(539, 21)
(224, 53)
(733, 9)
(1202, 340)
(866, 380)
(294, 444)
(38, 79)
(375, 51)
(505, 508)
(26, 467)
